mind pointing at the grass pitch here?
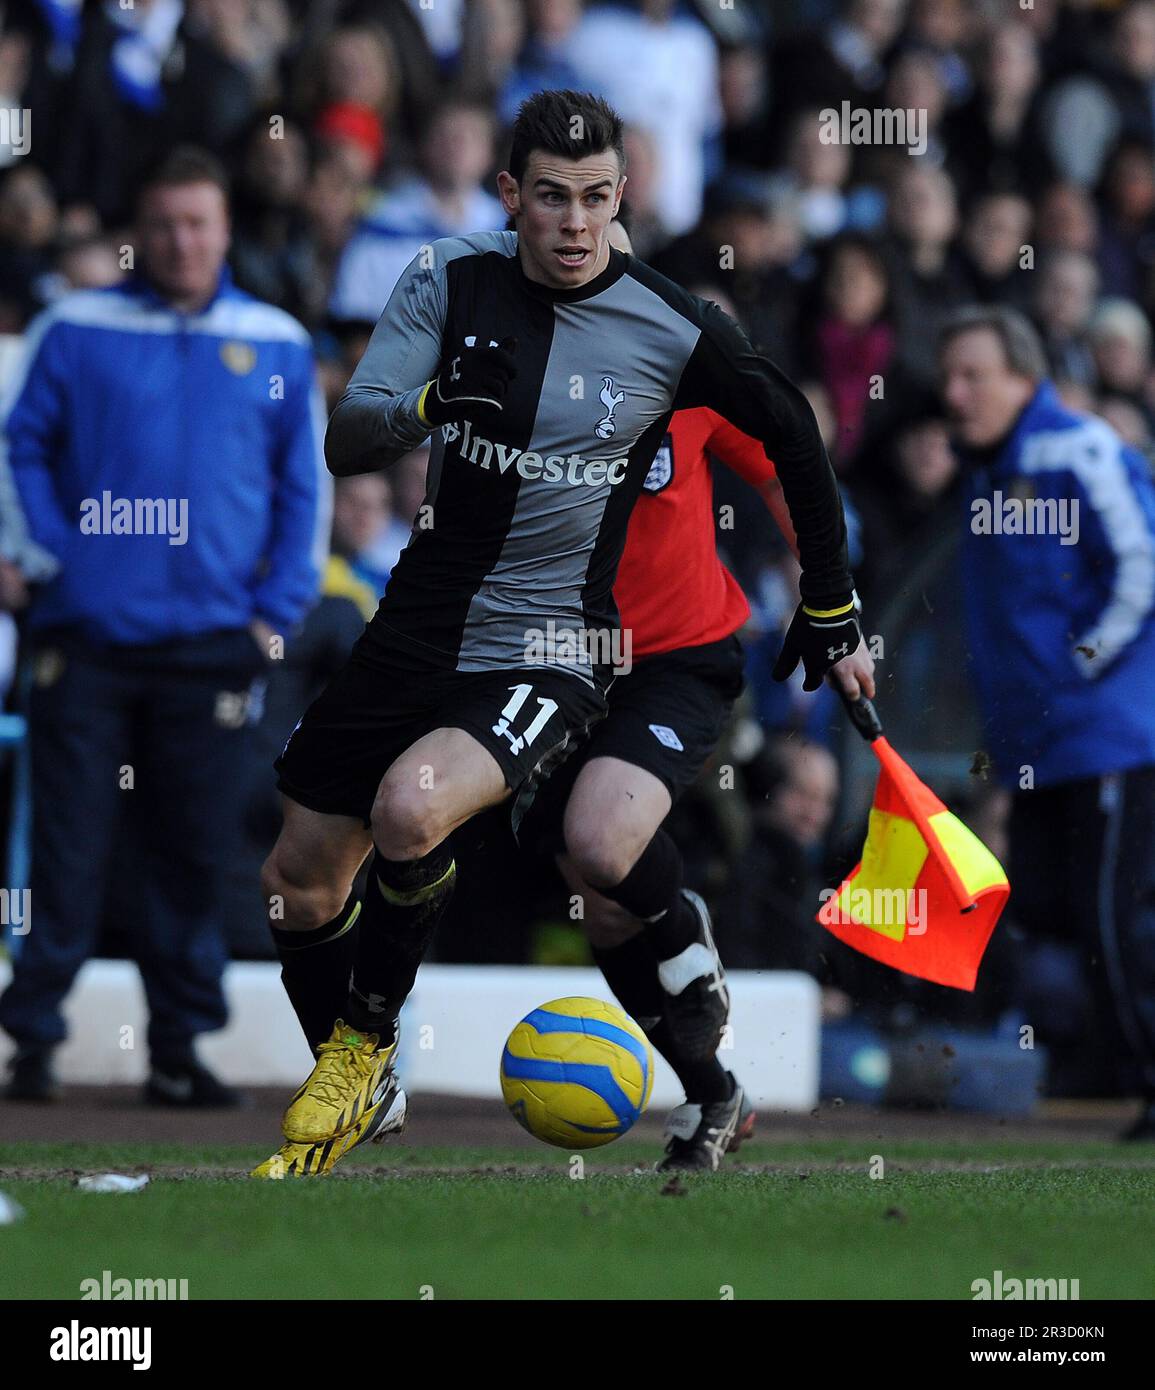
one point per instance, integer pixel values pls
(785, 1221)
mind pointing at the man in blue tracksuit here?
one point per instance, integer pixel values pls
(165, 440)
(1059, 575)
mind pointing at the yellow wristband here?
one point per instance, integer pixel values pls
(421, 406)
(828, 612)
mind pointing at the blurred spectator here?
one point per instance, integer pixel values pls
(543, 64)
(909, 502)
(767, 920)
(1068, 288)
(29, 224)
(843, 60)
(639, 201)
(1080, 124)
(1127, 234)
(996, 140)
(409, 476)
(357, 97)
(150, 641)
(744, 92)
(443, 24)
(332, 204)
(1128, 422)
(1066, 219)
(926, 278)
(144, 81)
(751, 247)
(251, 34)
(1132, 78)
(916, 83)
(994, 239)
(814, 178)
(942, 29)
(272, 252)
(343, 345)
(659, 69)
(443, 198)
(852, 336)
(1121, 342)
(1065, 673)
(494, 35)
(88, 263)
(367, 540)
(14, 81)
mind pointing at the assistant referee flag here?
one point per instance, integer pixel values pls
(927, 893)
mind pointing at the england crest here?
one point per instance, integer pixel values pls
(661, 473)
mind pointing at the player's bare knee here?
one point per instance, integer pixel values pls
(603, 860)
(406, 821)
(297, 904)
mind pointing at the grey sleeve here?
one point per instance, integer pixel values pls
(376, 422)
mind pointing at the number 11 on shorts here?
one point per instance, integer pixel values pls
(518, 698)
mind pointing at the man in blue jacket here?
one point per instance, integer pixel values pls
(1059, 573)
(165, 437)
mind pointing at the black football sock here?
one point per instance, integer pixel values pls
(652, 892)
(315, 969)
(631, 971)
(404, 901)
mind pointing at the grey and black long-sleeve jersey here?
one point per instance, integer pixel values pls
(529, 513)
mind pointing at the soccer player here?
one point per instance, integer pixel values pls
(489, 341)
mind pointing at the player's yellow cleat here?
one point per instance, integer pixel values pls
(315, 1160)
(351, 1076)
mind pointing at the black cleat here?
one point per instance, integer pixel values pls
(31, 1078)
(187, 1085)
(699, 1135)
(697, 1002)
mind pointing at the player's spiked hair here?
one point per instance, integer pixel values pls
(570, 124)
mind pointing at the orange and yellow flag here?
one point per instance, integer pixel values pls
(927, 893)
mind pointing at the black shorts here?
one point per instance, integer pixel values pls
(666, 716)
(368, 715)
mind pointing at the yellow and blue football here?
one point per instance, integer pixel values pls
(577, 1073)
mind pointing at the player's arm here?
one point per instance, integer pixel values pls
(854, 674)
(409, 381)
(378, 420)
(301, 501)
(1127, 532)
(726, 374)
(38, 529)
(744, 455)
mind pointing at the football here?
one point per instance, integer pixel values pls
(577, 1073)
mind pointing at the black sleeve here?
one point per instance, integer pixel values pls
(725, 373)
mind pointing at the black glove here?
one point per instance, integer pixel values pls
(471, 385)
(818, 638)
